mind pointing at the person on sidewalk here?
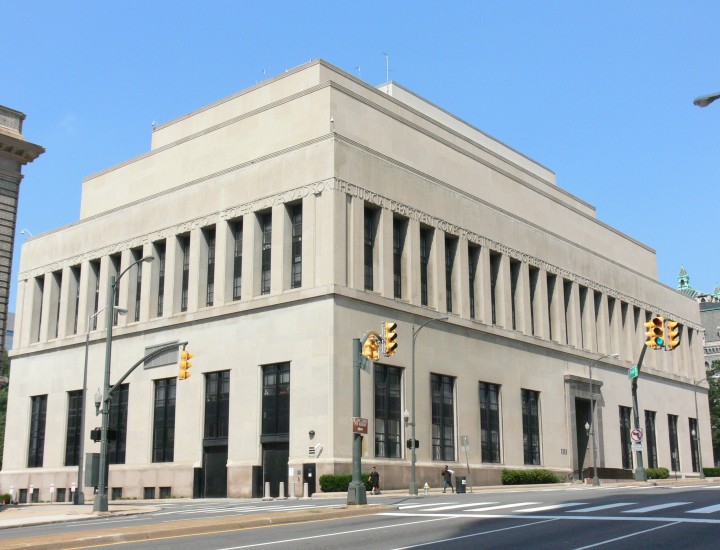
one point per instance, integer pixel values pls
(447, 479)
(375, 481)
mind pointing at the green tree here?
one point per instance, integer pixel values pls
(713, 378)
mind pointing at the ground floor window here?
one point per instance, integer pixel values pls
(531, 426)
(443, 417)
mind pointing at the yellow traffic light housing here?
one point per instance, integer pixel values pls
(371, 347)
(673, 335)
(390, 337)
(656, 333)
(185, 365)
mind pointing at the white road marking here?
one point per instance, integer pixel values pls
(501, 506)
(647, 509)
(626, 536)
(456, 506)
(409, 506)
(603, 507)
(549, 507)
(705, 510)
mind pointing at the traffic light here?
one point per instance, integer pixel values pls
(655, 333)
(371, 347)
(185, 365)
(673, 335)
(390, 337)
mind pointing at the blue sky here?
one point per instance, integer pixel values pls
(599, 92)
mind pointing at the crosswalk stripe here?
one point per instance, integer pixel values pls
(656, 507)
(501, 506)
(603, 507)
(549, 507)
(705, 510)
(409, 506)
(456, 506)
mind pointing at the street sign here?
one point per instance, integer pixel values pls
(633, 372)
(413, 444)
(636, 435)
(360, 425)
(637, 446)
(465, 443)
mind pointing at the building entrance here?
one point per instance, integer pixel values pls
(582, 416)
(215, 471)
(275, 466)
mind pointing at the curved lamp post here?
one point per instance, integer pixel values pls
(101, 499)
(79, 496)
(596, 479)
(705, 100)
(413, 489)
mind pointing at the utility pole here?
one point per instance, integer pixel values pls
(640, 473)
(357, 493)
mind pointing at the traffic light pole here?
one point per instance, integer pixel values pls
(356, 490)
(640, 473)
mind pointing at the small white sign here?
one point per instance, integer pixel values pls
(637, 446)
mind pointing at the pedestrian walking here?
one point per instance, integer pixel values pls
(447, 479)
(375, 481)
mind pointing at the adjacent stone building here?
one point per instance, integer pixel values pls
(15, 152)
(289, 219)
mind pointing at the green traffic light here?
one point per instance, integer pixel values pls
(659, 342)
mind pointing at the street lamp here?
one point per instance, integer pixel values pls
(705, 100)
(596, 479)
(101, 500)
(79, 496)
(413, 489)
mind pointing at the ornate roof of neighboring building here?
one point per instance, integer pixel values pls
(697, 295)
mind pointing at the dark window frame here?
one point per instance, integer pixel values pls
(36, 443)
(490, 442)
(387, 383)
(442, 389)
(531, 425)
(164, 408)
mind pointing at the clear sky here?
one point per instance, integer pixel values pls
(599, 92)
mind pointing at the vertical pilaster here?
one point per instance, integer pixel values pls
(384, 242)
(412, 244)
(483, 306)
(503, 310)
(356, 243)
(223, 259)
(542, 313)
(196, 242)
(281, 246)
(462, 268)
(147, 276)
(437, 295)
(309, 238)
(522, 306)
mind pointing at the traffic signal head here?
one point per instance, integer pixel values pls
(673, 335)
(371, 347)
(390, 337)
(185, 365)
(655, 332)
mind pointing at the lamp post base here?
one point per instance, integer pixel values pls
(357, 494)
(640, 474)
(413, 488)
(101, 503)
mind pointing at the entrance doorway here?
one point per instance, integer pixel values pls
(309, 477)
(582, 416)
(275, 466)
(215, 471)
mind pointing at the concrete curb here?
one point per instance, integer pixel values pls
(187, 527)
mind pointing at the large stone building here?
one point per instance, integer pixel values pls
(295, 216)
(15, 152)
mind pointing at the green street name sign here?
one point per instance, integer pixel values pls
(633, 372)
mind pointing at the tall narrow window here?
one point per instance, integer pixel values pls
(95, 278)
(57, 288)
(38, 306)
(399, 232)
(474, 259)
(217, 404)
(534, 277)
(137, 254)
(425, 244)
(531, 426)
(184, 286)
(265, 260)
(237, 231)
(73, 434)
(210, 242)
(674, 448)
(567, 294)
(296, 246)
(692, 425)
(583, 297)
(387, 411)
(118, 423)
(443, 417)
(551, 280)
(164, 420)
(276, 400)
(370, 234)
(75, 274)
(160, 253)
(625, 443)
(514, 294)
(651, 438)
(490, 422)
(450, 250)
(38, 412)
(115, 271)
(495, 261)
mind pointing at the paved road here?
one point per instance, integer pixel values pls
(558, 518)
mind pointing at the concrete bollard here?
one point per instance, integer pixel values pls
(267, 491)
(282, 496)
(292, 496)
(305, 491)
